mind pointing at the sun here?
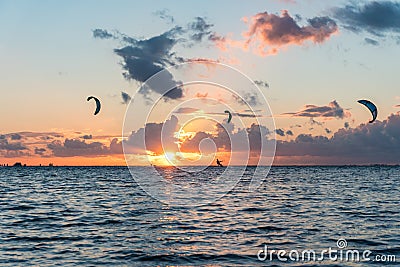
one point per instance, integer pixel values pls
(170, 157)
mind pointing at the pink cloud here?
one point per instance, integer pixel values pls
(269, 33)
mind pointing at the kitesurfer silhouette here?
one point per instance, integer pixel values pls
(219, 163)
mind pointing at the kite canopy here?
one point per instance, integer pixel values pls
(372, 108)
(230, 115)
(98, 105)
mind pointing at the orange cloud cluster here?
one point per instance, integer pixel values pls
(268, 33)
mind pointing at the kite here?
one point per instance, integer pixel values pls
(98, 105)
(371, 107)
(230, 115)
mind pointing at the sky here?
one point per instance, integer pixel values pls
(311, 60)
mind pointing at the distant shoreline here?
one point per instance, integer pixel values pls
(251, 166)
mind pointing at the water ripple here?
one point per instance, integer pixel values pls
(73, 216)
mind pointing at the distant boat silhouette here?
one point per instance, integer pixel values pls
(17, 164)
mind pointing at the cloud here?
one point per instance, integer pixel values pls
(376, 17)
(5, 145)
(261, 83)
(164, 14)
(76, 147)
(192, 144)
(51, 144)
(40, 151)
(268, 33)
(102, 34)
(377, 142)
(243, 114)
(10, 150)
(148, 138)
(332, 110)
(142, 58)
(16, 136)
(186, 110)
(371, 41)
(280, 132)
(200, 29)
(289, 132)
(223, 138)
(87, 136)
(125, 98)
(247, 99)
(314, 122)
(296, 126)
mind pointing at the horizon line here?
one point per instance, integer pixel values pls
(166, 166)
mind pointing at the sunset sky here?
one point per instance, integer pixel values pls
(311, 59)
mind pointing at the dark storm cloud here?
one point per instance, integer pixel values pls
(125, 98)
(375, 17)
(332, 110)
(371, 41)
(142, 58)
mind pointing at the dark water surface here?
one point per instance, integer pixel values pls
(92, 216)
